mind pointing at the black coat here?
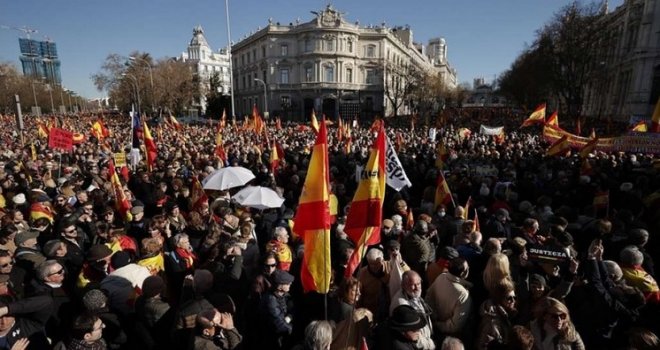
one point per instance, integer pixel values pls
(31, 315)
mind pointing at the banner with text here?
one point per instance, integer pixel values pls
(60, 139)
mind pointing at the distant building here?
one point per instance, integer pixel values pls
(39, 60)
(484, 95)
(205, 63)
(628, 74)
(329, 65)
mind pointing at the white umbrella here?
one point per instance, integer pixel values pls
(226, 178)
(258, 197)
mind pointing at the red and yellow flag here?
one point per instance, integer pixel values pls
(175, 123)
(39, 210)
(223, 120)
(588, 148)
(315, 123)
(276, 155)
(442, 192)
(312, 219)
(97, 130)
(441, 155)
(43, 130)
(366, 211)
(122, 204)
(553, 120)
(655, 120)
(340, 130)
(537, 117)
(151, 151)
(640, 127)
(278, 124)
(560, 147)
(197, 194)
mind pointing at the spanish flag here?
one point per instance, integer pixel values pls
(122, 204)
(150, 146)
(312, 219)
(197, 194)
(366, 212)
(588, 148)
(442, 192)
(276, 155)
(340, 130)
(655, 120)
(560, 147)
(315, 123)
(441, 155)
(537, 117)
(278, 124)
(553, 120)
(175, 123)
(43, 130)
(640, 127)
(39, 210)
(78, 138)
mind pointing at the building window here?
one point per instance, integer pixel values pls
(330, 45)
(350, 46)
(329, 73)
(349, 75)
(244, 85)
(284, 50)
(309, 73)
(263, 76)
(263, 51)
(371, 51)
(309, 45)
(254, 55)
(243, 59)
(284, 76)
(371, 76)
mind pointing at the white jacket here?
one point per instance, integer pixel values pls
(124, 285)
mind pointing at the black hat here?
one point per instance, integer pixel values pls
(448, 253)
(503, 213)
(405, 318)
(98, 252)
(281, 277)
(392, 244)
(120, 259)
(152, 286)
(538, 279)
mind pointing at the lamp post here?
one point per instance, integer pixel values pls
(36, 105)
(265, 96)
(151, 78)
(50, 92)
(231, 64)
(63, 107)
(137, 87)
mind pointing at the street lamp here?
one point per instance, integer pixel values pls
(151, 78)
(137, 87)
(37, 110)
(231, 64)
(265, 98)
(50, 92)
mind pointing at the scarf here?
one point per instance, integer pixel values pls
(188, 257)
(78, 344)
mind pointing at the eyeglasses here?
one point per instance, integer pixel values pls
(511, 298)
(271, 265)
(71, 230)
(58, 272)
(560, 316)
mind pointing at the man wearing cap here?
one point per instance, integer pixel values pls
(27, 254)
(498, 225)
(276, 326)
(444, 256)
(138, 227)
(416, 248)
(177, 221)
(404, 330)
(95, 267)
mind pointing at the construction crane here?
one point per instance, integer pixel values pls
(25, 29)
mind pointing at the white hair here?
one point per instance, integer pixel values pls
(631, 255)
(451, 343)
(613, 270)
(374, 254)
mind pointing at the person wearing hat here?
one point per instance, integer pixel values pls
(444, 255)
(499, 225)
(276, 326)
(410, 293)
(27, 254)
(417, 249)
(139, 225)
(177, 221)
(386, 232)
(215, 330)
(95, 267)
(374, 279)
(404, 329)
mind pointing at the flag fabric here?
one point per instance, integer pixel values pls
(441, 155)
(655, 119)
(340, 130)
(349, 140)
(640, 127)
(42, 130)
(197, 195)
(375, 126)
(315, 123)
(396, 175)
(537, 117)
(78, 138)
(97, 130)
(39, 210)
(223, 120)
(588, 148)
(477, 225)
(175, 123)
(468, 203)
(136, 127)
(578, 126)
(410, 219)
(122, 204)
(553, 120)
(312, 219)
(442, 192)
(33, 152)
(276, 155)
(150, 146)
(560, 147)
(366, 211)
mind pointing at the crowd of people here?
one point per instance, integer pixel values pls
(533, 252)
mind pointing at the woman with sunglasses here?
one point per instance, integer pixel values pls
(496, 315)
(553, 328)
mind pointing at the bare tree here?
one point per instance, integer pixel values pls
(400, 82)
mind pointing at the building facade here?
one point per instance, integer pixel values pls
(328, 65)
(628, 76)
(205, 63)
(39, 60)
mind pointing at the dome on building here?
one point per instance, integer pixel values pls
(198, 37)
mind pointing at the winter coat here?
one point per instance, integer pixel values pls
(558, 343)
(450, 301)
(495, 325)
(123, 286)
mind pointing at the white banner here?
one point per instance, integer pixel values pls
(487, 130)
(396, 175)
(432, 133)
